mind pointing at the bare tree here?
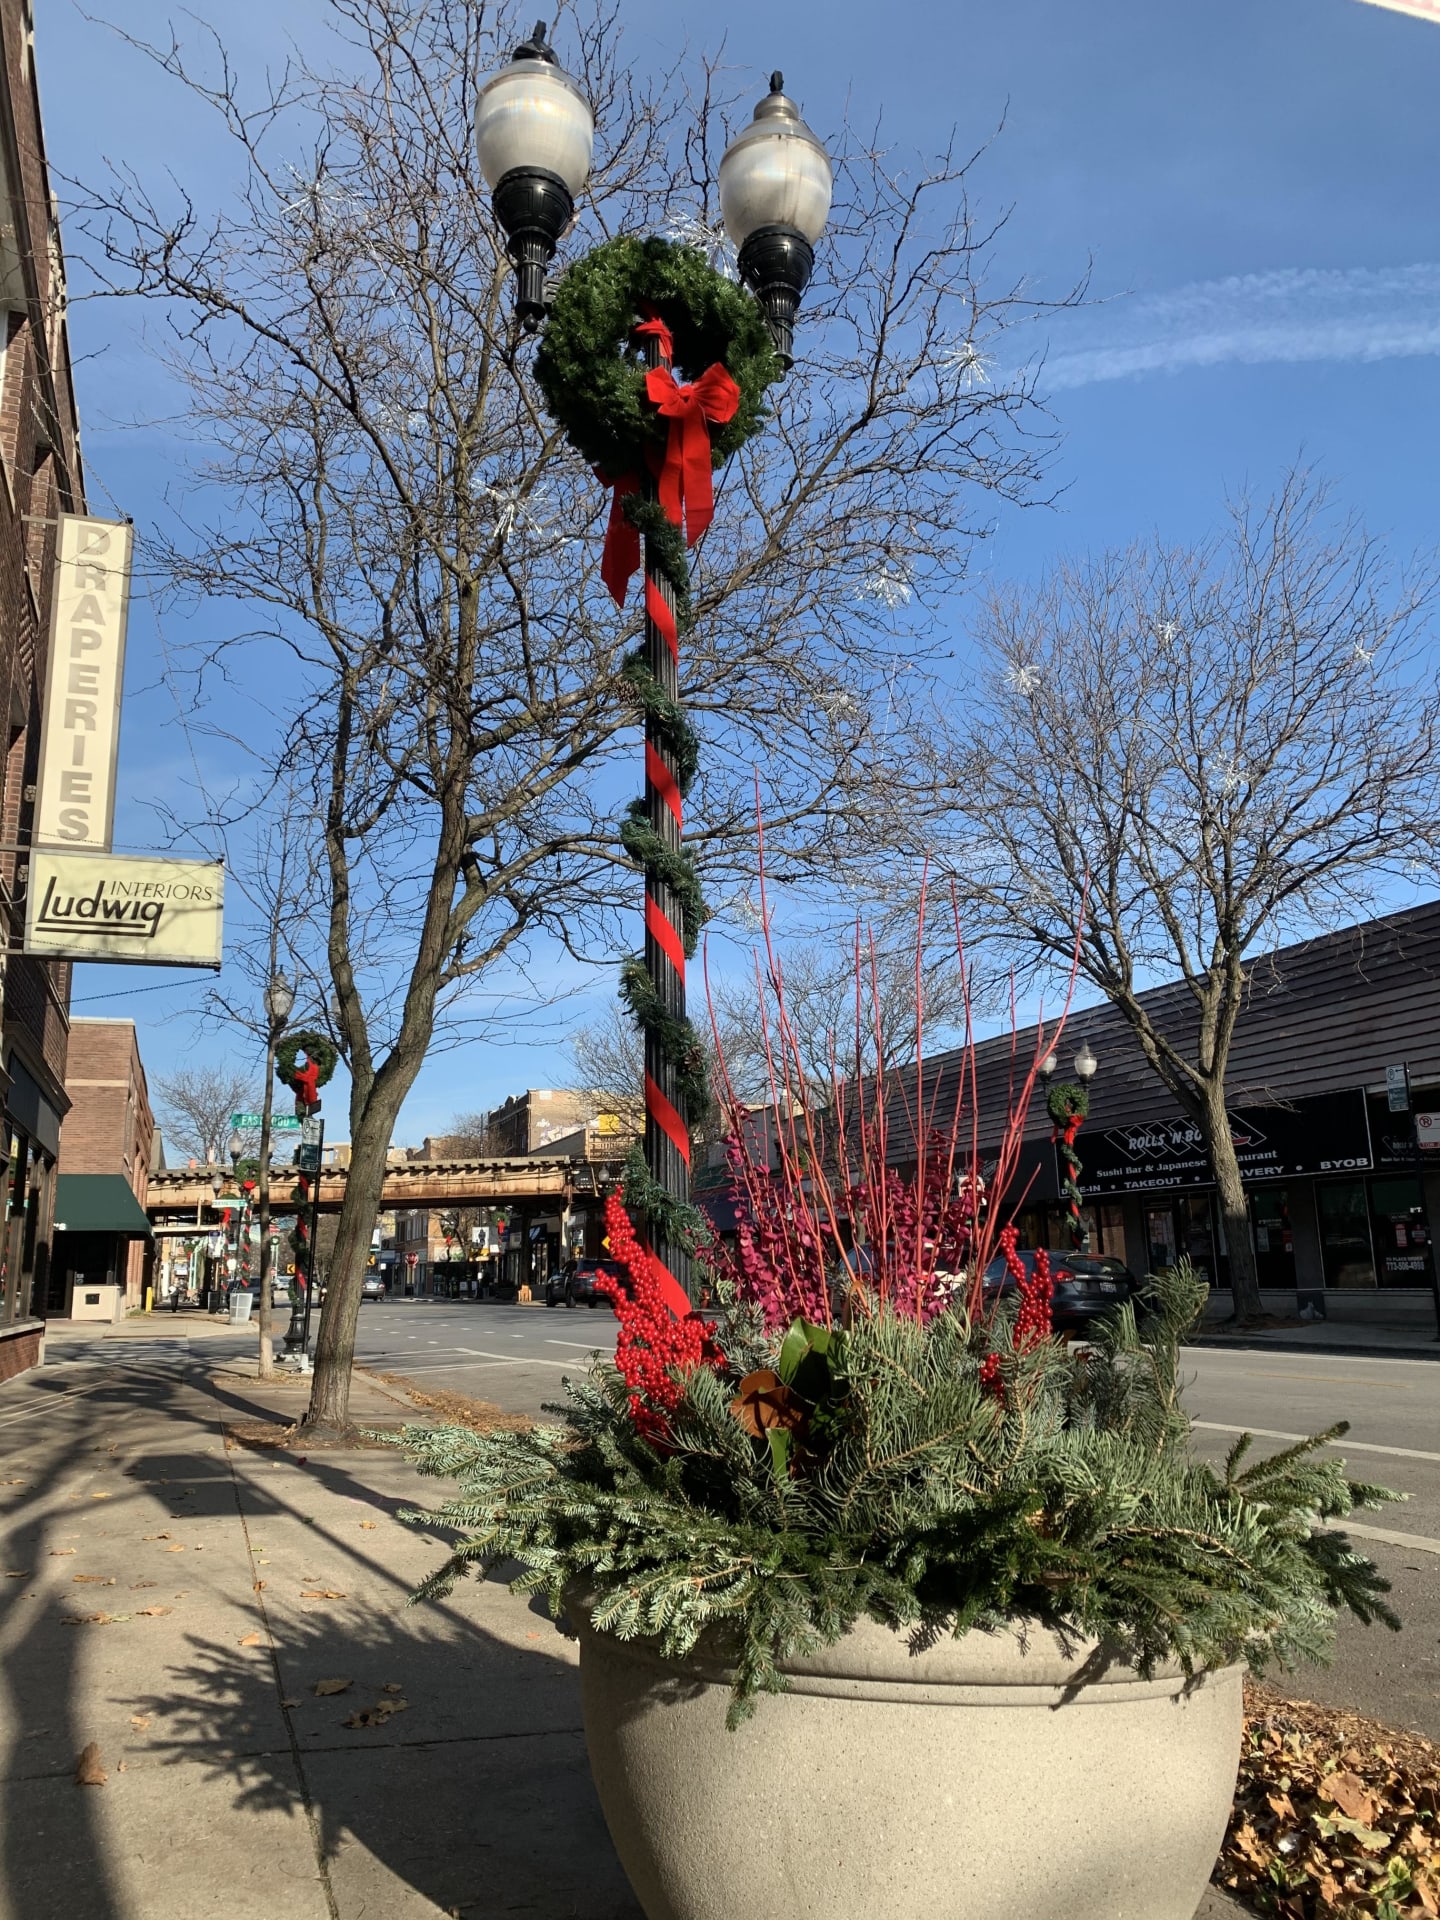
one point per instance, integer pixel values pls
(195, 1105)
(468, 1134)
(418, 549)
(1201, 753)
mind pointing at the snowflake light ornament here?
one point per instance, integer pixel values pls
(966, 362)
(888, 584)
(706, 237)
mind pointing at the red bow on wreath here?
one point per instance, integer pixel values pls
(306, 1083)
(687, 492)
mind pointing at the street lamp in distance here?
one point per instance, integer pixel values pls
(279, 999)
(1085, 1064)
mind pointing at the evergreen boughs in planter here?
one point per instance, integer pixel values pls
(937, 1505)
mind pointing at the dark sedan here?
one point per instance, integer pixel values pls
(574, 1285)
(1086, 1285)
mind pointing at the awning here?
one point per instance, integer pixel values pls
(98, 1203)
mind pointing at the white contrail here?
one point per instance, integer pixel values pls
(1422, 9)
(1292, 314)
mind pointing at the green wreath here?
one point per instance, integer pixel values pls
(592, 373)
(316, 1048)
(1067, 1102)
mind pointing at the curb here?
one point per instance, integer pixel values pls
(1346, 1349)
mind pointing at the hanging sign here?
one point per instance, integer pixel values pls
(143, 908)
(80, 732)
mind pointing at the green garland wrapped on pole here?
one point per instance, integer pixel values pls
(623, 320)
(1068, 1106)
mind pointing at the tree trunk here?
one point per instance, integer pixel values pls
(1240, 1248)
(328, 1415)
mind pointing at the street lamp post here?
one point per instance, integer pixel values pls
(1068, 1105)
(535, 132)
(278, 1000)
(217, 1184)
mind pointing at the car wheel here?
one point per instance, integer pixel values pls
(594, 1300)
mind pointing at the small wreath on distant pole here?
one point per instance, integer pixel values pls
(319, 1051)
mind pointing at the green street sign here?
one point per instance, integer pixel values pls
(252, 1122)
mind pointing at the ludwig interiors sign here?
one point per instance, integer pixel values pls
(80, 738)
(141, 908)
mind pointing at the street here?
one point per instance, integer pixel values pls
(518, 1357)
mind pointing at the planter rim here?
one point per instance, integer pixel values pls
(1021, 1665)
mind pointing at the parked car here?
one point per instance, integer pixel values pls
(1086, 1284)
(372, 1287)
(576, 1283)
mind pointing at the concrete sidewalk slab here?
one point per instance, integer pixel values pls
(445, 1776)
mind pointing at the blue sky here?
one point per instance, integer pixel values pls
(1252, 185)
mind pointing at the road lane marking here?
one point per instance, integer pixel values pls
(1312, 1353)
(1350, 1446)
(513, 1359)
(1333, 1379)
(1416, 1542)
(585, 1346)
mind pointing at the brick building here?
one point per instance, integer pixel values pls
(102, 1236)
(40, 475)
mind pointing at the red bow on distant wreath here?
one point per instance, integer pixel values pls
(306, 1083)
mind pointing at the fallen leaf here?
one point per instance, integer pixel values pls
(392, 1686)
(88, 1770)
(251, 1640)
(60, 1553)
(157, 1536)
(137, 1585)
(18, 1573)
(140, 1721)
(369, 1525)
(86, 1619)
(177, 1548)
(322, 1593)
(1348, 1792)
(99, 1496)
(121, 1767)
(259, 1586)
(14, 1483)
(331, 1686)
(377, 1715)
(93, 1579)
(292, 1703)
(153, 1613)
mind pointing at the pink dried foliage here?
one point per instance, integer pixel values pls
(833, 1228)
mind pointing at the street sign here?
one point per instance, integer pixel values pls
(307, 1159)
(252, 1122)
(1397, 1088)
(312, 1130)
(1427, 1131)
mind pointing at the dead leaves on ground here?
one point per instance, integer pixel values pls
(322, 1593)
(1335, 1817)
(377, 1715)
(88, 1770)
(322, 1687)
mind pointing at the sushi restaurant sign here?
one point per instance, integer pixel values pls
(143, 908)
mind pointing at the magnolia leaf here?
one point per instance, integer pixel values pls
(765, 1403)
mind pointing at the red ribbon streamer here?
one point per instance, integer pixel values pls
(664, 782)
(666, 938)
(663, 1113)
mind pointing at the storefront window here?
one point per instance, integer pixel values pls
(1163, 1241)
(1345, 1243)
(1401, 1235)
(1274, 1243)
(1197, 1235)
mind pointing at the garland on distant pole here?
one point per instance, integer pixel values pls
(623, 319)
(1069, 1106)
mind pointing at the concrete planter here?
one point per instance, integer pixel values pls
(976, 1780)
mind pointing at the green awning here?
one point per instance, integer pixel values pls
(98, 1203)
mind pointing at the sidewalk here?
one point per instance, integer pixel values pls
(1409, 1341)
(177, 1600)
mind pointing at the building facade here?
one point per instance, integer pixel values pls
(40, 476)
(102, 1238)
(1343, 1178)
